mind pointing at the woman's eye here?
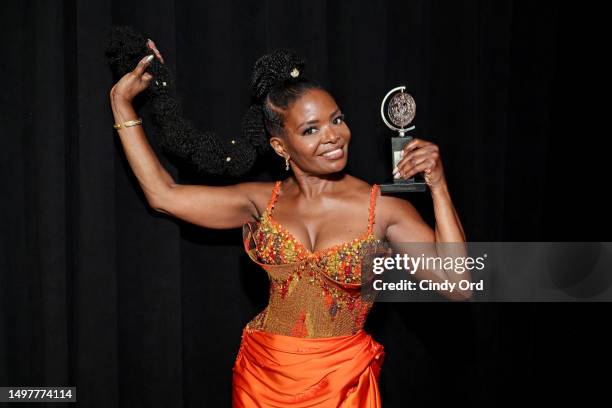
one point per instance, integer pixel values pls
(310, 131)
(339, 119)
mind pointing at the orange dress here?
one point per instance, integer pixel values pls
(308, 348)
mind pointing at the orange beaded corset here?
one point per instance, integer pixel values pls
(312, 294)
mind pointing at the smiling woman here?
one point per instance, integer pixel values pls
(316, 137)
(296, 116)
(307, 348)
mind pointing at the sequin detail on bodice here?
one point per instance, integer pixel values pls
(312, 293)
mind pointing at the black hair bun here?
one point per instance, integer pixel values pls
(274, 68)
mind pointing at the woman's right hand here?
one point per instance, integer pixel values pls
(132, 83)
(136, 81)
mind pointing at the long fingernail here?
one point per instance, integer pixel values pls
(395, 170)
(396, 176)
(149, 58)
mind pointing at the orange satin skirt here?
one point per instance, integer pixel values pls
(273, 370)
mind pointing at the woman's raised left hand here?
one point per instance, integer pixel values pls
(421, 156)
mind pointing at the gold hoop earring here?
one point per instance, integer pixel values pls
(287, 163)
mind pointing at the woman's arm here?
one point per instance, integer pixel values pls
(448, 226)
(152, 176)
(405, 225)
(211, 207)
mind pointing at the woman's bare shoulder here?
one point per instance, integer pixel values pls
(358, 185)
(387, 206)
(259, 193)
(391, 209)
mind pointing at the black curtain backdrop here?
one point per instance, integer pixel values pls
(140, 310)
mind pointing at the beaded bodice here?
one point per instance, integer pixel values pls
(312, 293)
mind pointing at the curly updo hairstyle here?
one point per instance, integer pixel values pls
(277, 81)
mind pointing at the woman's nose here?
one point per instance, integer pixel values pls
(331, 137)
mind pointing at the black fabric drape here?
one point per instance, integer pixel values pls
(139, 310)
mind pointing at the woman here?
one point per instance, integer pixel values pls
(308, 347)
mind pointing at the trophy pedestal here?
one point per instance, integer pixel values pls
(403, 186)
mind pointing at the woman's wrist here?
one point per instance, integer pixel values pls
(439, 189)
(124, 108)
(120, 101)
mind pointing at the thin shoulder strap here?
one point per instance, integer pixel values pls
(373, 196)
(272, 201)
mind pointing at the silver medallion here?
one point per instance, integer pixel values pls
(401, 109)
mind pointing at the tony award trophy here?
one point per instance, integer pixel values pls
(397, 110)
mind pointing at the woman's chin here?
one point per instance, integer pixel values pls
(336, 166)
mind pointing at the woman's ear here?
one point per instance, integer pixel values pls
(278, 145)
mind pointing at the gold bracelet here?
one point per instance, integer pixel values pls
(128, 123)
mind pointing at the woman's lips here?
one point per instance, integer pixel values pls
(334, 154)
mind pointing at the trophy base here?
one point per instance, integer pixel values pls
(406, 187)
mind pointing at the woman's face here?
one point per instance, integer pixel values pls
(316, 136)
